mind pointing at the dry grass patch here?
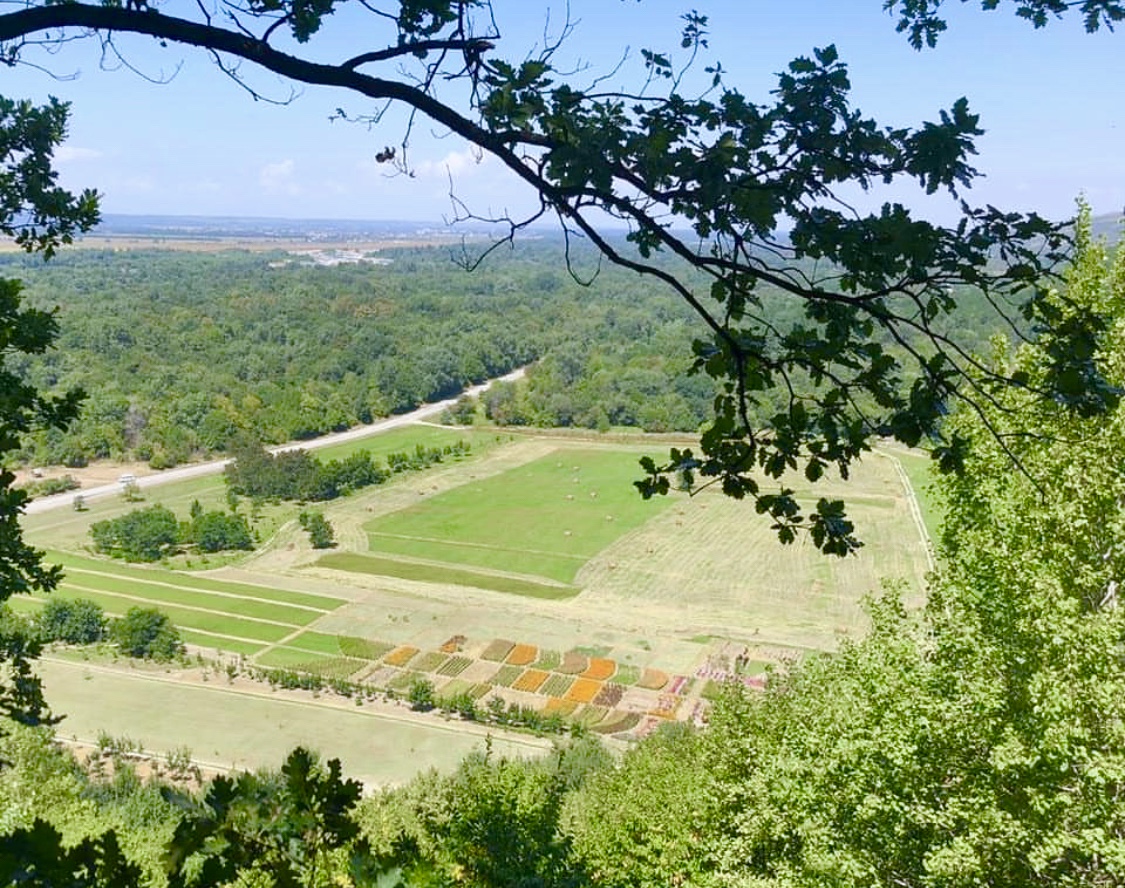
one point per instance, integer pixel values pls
(498, 650)
(573, 663)
(561, 707)
(653, 679)
(431, 661)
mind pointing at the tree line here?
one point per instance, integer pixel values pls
(187, 353)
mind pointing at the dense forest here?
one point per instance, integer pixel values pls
(183, 352)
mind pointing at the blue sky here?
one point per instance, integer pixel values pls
(199, 145)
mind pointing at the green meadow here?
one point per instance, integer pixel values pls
(546, 518)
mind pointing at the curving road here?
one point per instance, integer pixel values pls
(198, 470)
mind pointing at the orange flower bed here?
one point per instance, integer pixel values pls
(454, 644)
(600, 669)
(653, 679)
(559, 705)
(523, 655)
(583, 690)
(530, 680)
(400, 656)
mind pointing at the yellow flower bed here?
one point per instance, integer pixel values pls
(530, 680)
(400, 656)
(523, 655)
(583, 690)
(600, 669)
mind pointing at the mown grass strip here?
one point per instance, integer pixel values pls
(290, 658)
(75, 563)
(204, 621)
(561, 567)
(433, 573)
(159, 594)
(220, 642)
(363, 648)
(319, 642)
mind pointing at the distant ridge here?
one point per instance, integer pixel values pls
(1109, 226)
(214, 227)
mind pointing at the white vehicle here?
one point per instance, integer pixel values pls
(127, 478)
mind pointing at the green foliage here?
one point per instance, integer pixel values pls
(280, 826)
(219, 532)
(146, 632)
(980, 741)
(151, 533)
(319, 530)
(493, 823)
(71, 620)
(38, 856)
(638, 823)
(21, 692)
(920, 17)
(421, 695)
(143, 535)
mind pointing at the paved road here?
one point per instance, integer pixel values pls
(199, 470)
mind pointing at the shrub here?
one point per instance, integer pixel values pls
(75, 621)
(319, 530)
(421, 695)
(147, 632)
(141, 535)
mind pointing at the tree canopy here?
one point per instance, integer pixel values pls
(707, 182)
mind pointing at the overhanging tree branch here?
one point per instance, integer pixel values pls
(842, 311)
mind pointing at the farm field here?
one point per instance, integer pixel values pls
(546, 518)
(226, 727)
(539, 542)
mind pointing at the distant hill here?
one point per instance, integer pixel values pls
(218, 227)
(1109, 226)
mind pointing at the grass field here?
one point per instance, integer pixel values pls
(552, 522)
(236, 617)
(546, 518)
(441, 573)
(228, 728)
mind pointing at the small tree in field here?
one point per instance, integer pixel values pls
(319, 530)
(76, 622)
(147, 632)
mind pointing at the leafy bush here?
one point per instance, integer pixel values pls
(218, 531)
(146, 632)
(142, 535)
(75, 621)
(319, 530)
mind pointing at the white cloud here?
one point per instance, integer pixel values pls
(277, 178)
(68, 153)
(455, 163)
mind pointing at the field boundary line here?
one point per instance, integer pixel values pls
(202, 610)
(221, 635)
(70, 571)
(535, 579)
(468, 545)
(915, 511)
(281, 642)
